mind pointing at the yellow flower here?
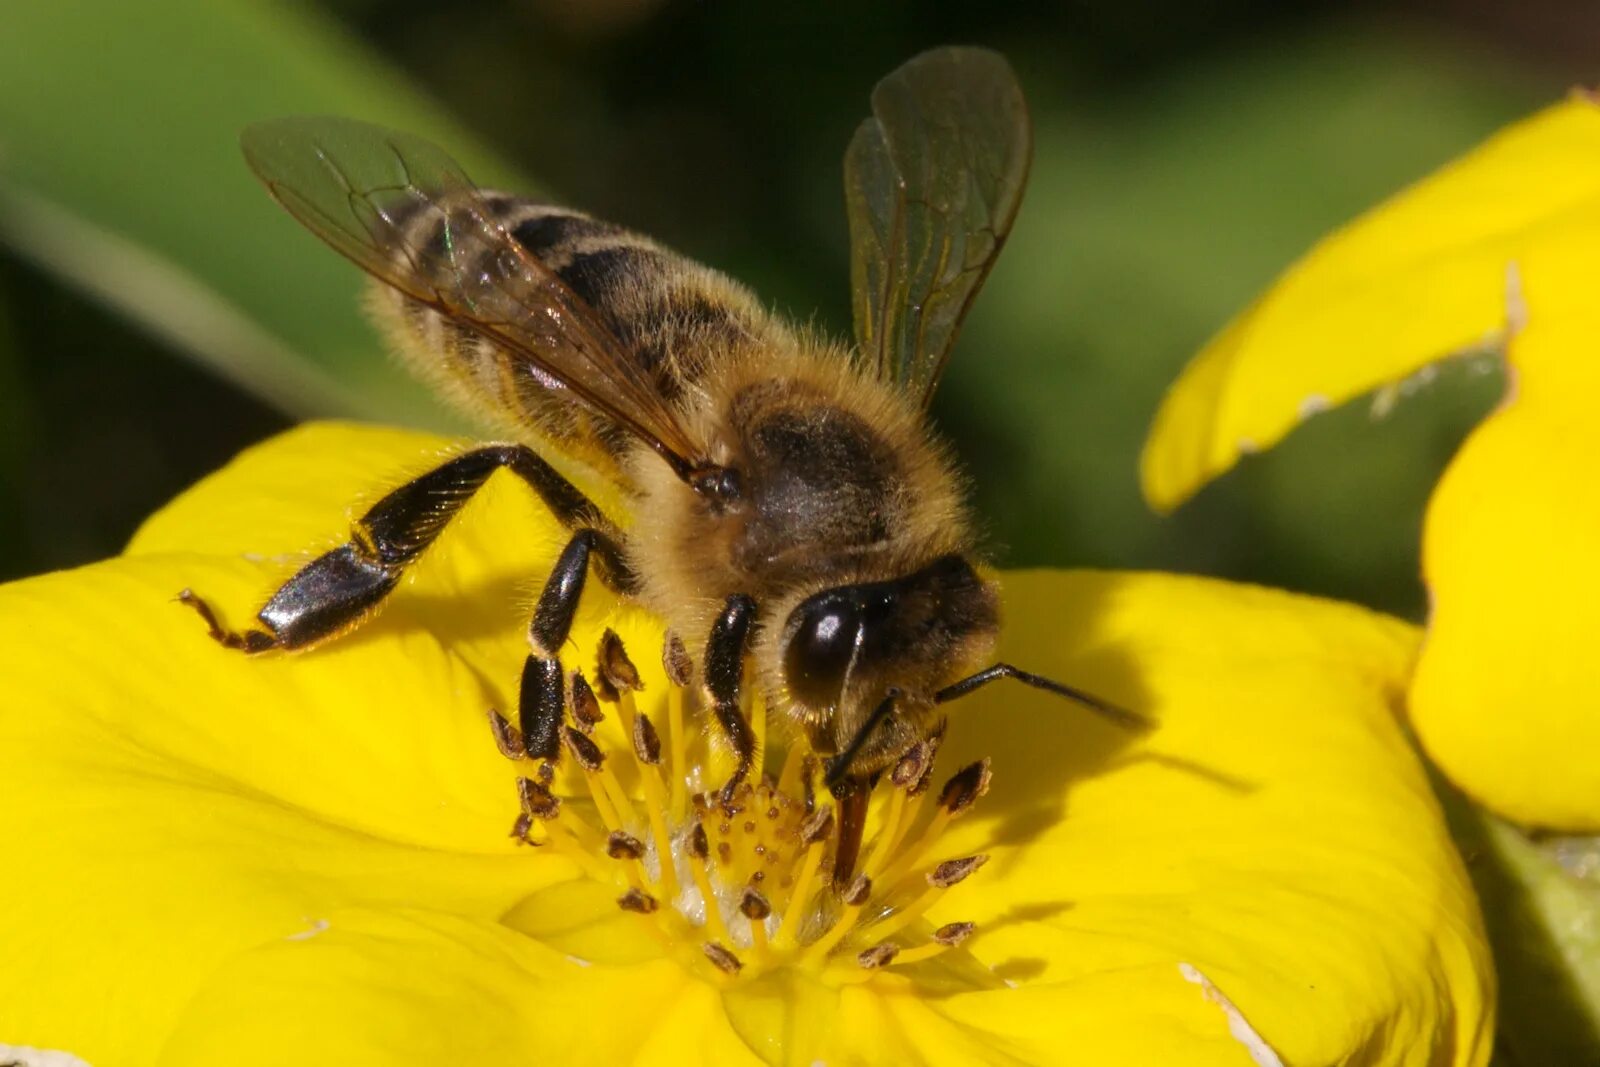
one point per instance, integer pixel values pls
(1496, 249)
(227, 860)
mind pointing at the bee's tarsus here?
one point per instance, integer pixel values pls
(247, 641)
(724, 675)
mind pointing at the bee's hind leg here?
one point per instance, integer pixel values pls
(335, 591)
(724, 673)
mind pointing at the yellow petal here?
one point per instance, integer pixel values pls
(1416, 279)
(1505, 697)
(1276, 833)
(187, 816)
(405, 987)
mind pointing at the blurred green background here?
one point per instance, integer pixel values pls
(158, 313)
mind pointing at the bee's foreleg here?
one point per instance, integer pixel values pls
(337, 589)
(542, 702)
(724, 674)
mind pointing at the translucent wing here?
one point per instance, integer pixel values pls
(403, 211)
(932, 183)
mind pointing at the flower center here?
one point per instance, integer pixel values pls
(743, 886)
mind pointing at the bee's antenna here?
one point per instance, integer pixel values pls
(1121, 716)
(835, 769)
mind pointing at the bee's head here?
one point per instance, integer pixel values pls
(845, 648)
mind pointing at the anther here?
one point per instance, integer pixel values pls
(624, 846)
(818, 827)
(858, 891)
(675, 660)
(585, 706)
(933, 742)
(583, 749)
(721, 958)
(950, 872)
(520, 828)
(965, 787)
(912, 765)
(878, 956)
(646, 742)
(615, 669)
(699, 844)
(537, 801)
(507, 738)
(638, 901)
(953, 934)
(754, 905)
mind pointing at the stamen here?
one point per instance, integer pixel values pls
(615, 669)
(680, 672)
(878, 956)
(507, 738)
(855, 898)
(537, 801)
(758, 894)
(814, 835)
(637, 900)
(947, 937)
(753, 905)
(953, 934)
(624, 846)
(965, 788)
(939, 879)
(699, 870)
(721, 958)
(586, 711)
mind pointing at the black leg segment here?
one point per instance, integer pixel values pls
(541, 703)
(336, 590)
(724, 674)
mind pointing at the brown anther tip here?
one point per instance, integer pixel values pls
(911, 766)
(507, 738)
(858, 891)
(537, 801)
(637, 901)
(965, 787)
(721, 958)
(878, 956)
(675, 660)
(953, 934)
(585, 705)
(547, 772)
(699, 844)
(614, 667)
(819, 827)
(753, 905)
(950, 872)
(583, 749)
(520, 828)
(646, 742)
(933, 742)
(624, 846)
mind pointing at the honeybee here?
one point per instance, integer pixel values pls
(788, 505)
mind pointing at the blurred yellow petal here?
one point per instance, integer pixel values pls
(1419, 278)
(1505, 697)
(247, 859)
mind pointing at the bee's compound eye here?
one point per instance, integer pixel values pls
(822, 638)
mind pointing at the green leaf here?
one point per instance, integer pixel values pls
(120, 171)
(1541, 905)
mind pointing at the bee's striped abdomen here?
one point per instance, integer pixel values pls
(671, 316)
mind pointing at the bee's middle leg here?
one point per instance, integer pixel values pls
(541, 700)
(724, 675)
